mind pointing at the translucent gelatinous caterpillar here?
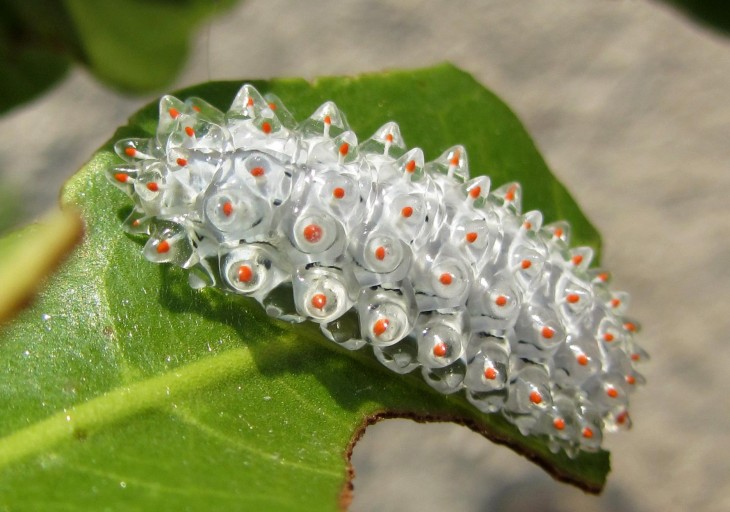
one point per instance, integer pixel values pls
(380, 248)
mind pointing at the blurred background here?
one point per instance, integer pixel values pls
(629, 102)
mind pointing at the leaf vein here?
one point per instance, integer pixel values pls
(189, 418)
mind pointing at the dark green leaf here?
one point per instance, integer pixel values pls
(134, 45)
(714, 13)
(124, 388)
(36, 47)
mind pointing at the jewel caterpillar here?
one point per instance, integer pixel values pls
(378, 246)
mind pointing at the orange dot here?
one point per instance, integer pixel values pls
(558, 232)
(153, 187)
(130, 152)
(577, 259)
(573, 298)
(474, 192)
(196, 108)
(446, 279)
(490, 373)
(136, 222)
(327, 120)
(245, 274)
(526, 264)
(527, 224)
(535, 397)
(257, 172)
(249, 101)
(266, 127)
(407, 211)
(189, 130)
(121, 177)
(603, 276)
(630, 326)
(611, 392)
(559, 423)
(163, 247)
(631, 379)
(182, 162)
(635, 357)
(615, 303)
(389, 137)
(510, 195)
(440, 349)
(174, 113)
(582, 359)
(339, 192)
(501, 301)
(344, 148)
(227, 208)
(547, 332)
(587, 433)
(380, 253)
(381, 326)
(319, 300)
(272, 106)
(608, 337)
(313, 233)
(455, 159)
(411, 165)
(471, 237)
(621, 418)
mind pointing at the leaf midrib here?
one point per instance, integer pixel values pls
(123, 402)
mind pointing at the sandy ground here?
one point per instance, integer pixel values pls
(630, 105)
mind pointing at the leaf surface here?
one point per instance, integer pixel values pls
(124, 388)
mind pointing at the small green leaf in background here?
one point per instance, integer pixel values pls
(133, 45)
(138, 45)
(124, 389)
(11, 206)
(37, 43)
(713, 13)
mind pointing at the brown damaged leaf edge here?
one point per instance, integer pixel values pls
(39, 253)
(346, 495)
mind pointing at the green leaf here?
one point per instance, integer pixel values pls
(36, 45)
(138, 45)
(713, 13)
(126, 389)
(133, 45)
